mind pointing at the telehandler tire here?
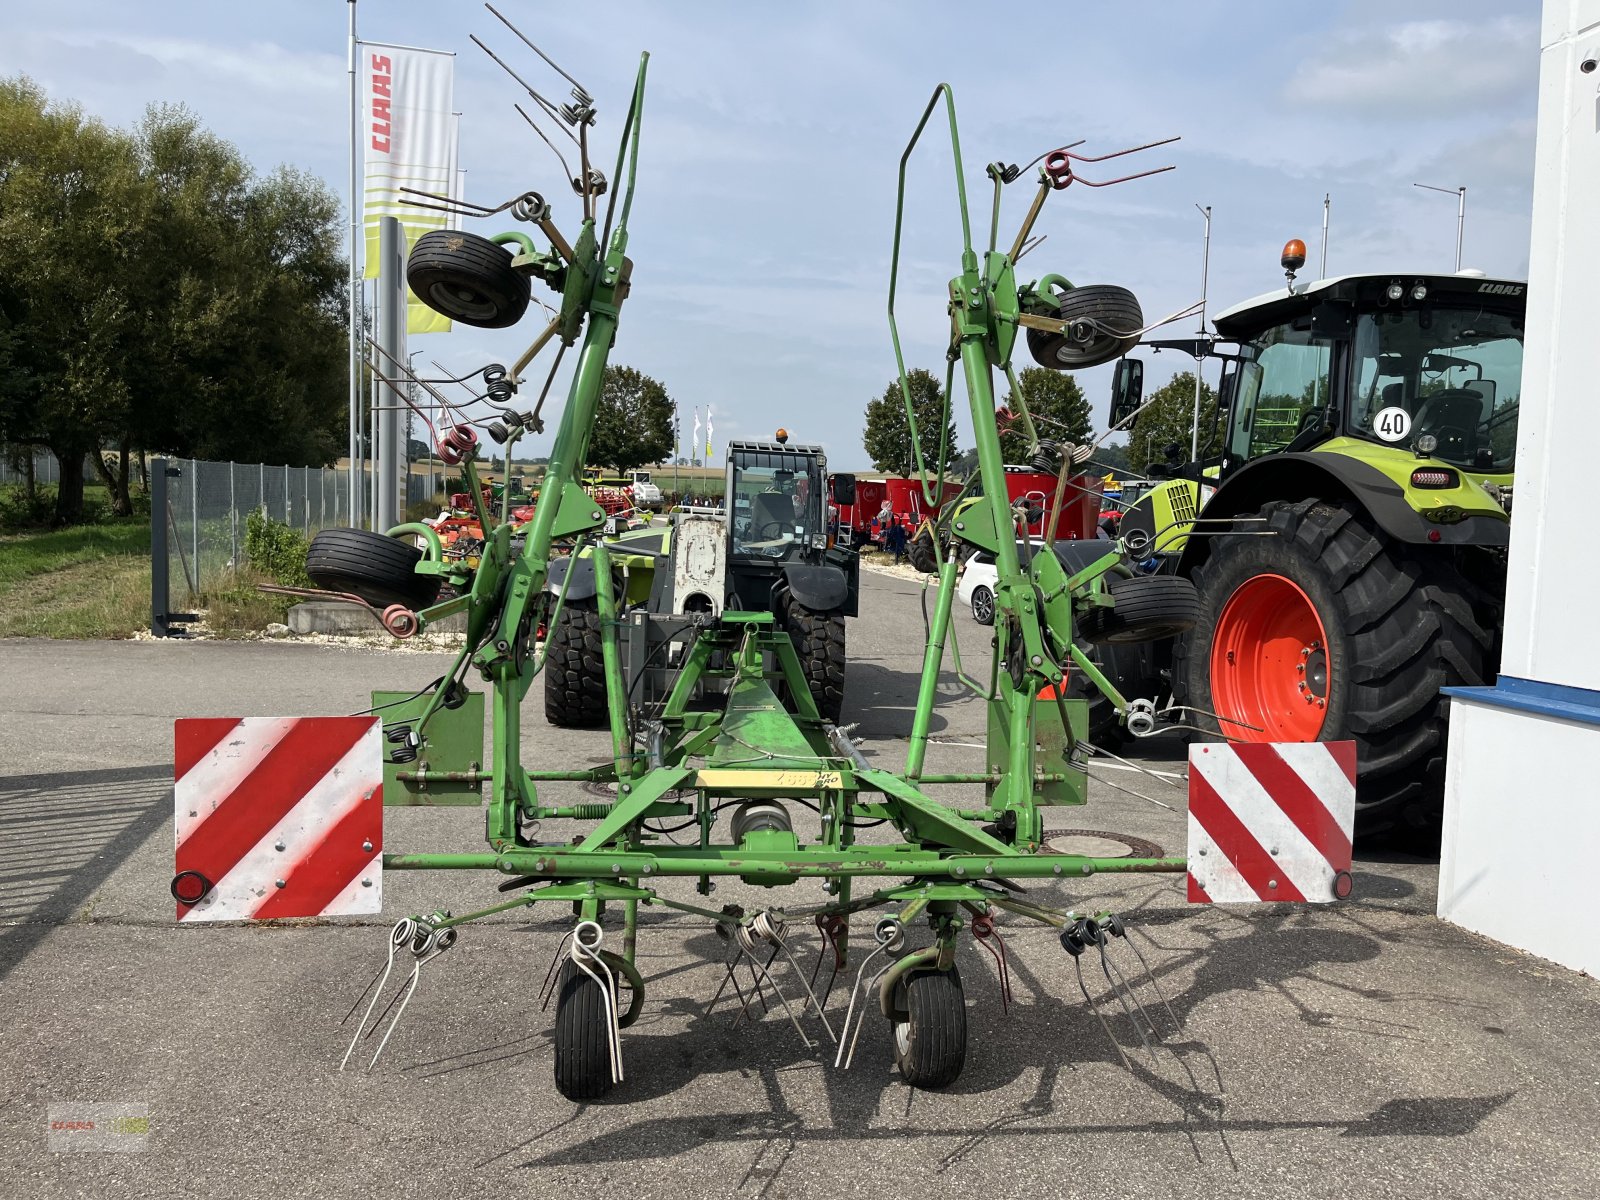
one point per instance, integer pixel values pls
(819, 639)
(574, 669)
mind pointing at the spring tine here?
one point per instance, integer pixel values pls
(576, 85)
(849, 1012)
(1076, 178)
(549, 987)
(811, 997)
(1067, 150)
(613, 1041)
(782, 999)
(1148, 1049)
(376, 975)
(384, 981)
(1154, 982)
(1077, 964)
(862, 1020)
(827, 944)
(1134, 996)
(410, 990)
(728, 976)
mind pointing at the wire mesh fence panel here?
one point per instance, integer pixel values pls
(208, 512)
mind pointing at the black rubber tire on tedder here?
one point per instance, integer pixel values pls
(1146, 608)
(574, 669)
(1400, 622)
(468, 279)
(379, 569)
(930, 1045)
(819, 641)
(1112, 323)
(582, 1041)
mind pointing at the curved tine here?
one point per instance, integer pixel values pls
(613, 1042)
(729, 965)
(827, 944)
(1151, 976)
(1132, 1020)
(862, 1020)
(1120, 153)
(410, 990)
(811, 997)
(854, 992)
(373, 1004)
(1001, 967)
(376, 975)
(1134, 996)
(1077, 963)
(782, 999)
(549, 987)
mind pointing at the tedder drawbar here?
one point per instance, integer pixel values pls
(725, 720)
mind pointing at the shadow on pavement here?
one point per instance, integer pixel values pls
(1137, 1024)
(61, 837)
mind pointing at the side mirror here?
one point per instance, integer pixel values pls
(1127, 390)
(844, 489)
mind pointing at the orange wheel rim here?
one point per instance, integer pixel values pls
(1269, 663)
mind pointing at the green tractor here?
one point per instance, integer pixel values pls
(1348, 539)
(767, 552)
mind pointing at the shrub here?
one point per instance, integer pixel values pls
(275, 550)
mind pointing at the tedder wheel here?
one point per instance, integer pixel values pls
(819, 641)
(983, 606)
(468, 279)
(1108, 323)
(1146, 608)
(379, 569)
(583, 1055)
(574, 669)
(1330, 631)
(930, 1044)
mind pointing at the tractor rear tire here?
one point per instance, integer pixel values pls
(1146, 608)
(930, 1045)
(582, 1041)
(1110, 313)
(574, 669)
(1379, 626)
(379, 569)
(820, 642)
(468, 279)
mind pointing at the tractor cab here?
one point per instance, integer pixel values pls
(1365, 365)
(1423, 363)
(777, 529)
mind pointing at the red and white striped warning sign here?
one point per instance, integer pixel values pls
(1271, 821)
(277, 817)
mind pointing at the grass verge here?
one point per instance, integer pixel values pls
(90, 581)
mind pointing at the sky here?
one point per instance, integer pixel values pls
(762, 221)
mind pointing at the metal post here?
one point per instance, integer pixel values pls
(1460, 193)
(288, 512)
(388, 421)
(1322, 271)
(261, 488)
(194, 520)
(1205, 276)
(160, 601)
(233, 514)
(355, 273)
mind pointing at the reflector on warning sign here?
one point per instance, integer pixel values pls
(277, 817)
(1271, 821)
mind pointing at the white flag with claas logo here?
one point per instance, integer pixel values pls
(409, 132)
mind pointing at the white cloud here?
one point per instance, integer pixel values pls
(1421, 68)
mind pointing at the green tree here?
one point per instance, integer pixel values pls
(633, 425)
(154, 295)
(1059, 409)
(887, 437)
(1168, 419)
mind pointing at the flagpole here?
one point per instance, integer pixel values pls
(355, 331)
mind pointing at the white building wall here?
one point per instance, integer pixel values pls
(1522, 793)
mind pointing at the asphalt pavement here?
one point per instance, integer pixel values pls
(1362, 1049)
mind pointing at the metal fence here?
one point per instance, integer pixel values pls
(199, 512)
(46, 470)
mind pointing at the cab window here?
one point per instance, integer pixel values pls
(1283, 389)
